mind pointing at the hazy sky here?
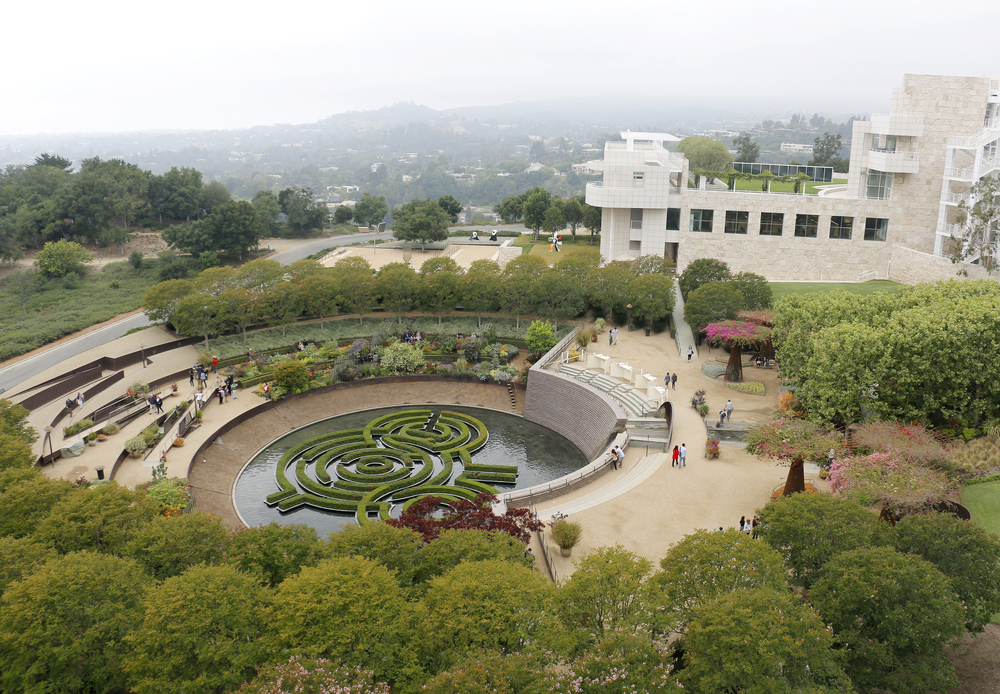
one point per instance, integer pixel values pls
(113, 66)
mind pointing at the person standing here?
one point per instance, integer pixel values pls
(614, 458)
(673, 380)
(621, 458)
(829, 457)
(199, 401)
(159, 405)
(684, 455)
(233, 388)
(690, 352)
(215, 365)
(729, 410)
(191, 377)
(611, 336)
(666, 380)
(616, 335)
(675, 457)
(743, 523)
(753, 527)
(220, 393)
(80, 399)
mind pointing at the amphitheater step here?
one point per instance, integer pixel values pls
(629, 478)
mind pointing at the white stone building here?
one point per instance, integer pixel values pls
(892, 220)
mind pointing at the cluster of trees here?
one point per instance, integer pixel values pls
(100, 203)
(180, 604)
(264, 291)
(541, 212)
(16, 436)
(923, 353)
(425, 220)
(712, 293)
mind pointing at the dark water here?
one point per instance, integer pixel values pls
(541, 455)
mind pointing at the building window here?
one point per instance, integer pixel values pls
(637, 177)
(635, 245)
(674, 219)
(879, 185)
(737, 222)
(701, 220)
(771, 223)
(840, 227)
(806, 225)
(876, 229)
(636, 218)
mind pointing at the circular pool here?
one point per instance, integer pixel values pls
(346, 457)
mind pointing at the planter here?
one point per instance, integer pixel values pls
(178, 442)
(135, 455)
(711, 455)
(565, 551)
(102, 437)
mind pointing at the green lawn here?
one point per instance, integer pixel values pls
(541, 248)
(779, 187)
(783, 289)
(983, 502)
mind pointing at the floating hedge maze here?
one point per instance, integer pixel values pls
(396, 459)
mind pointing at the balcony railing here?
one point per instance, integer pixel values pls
(894, 161)
(955, 198)
(988, 134)
(949, 229)
(961, 174)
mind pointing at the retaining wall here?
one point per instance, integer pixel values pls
(584, 415)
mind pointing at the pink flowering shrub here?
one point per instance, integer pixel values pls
(319, 675)
(889, 477)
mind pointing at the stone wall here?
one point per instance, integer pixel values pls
(585, 416)
(913, 267)
(786, 257)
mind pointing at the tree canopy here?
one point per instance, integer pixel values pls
(705, 153)
(425, 221)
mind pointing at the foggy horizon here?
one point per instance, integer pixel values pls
(111, 68)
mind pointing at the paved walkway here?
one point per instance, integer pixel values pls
(685, 336)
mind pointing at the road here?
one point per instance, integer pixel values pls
(17, 373)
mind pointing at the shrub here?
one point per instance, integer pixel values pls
(77, 426)
(135, 260)
(110, 429)
(62, 258)
(292, 376)
(541, 336)
(401, 358)
(566, 533)
(135, 445)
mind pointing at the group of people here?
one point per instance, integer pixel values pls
(617, 457)
(411, 336)
(155, 404)
(613, 336)
(749, 526)
(200, 374)
(679, 456)
(670, 380)
(725, 414)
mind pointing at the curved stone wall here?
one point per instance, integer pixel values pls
(584, 415)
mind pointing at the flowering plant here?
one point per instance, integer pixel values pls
(712, 445)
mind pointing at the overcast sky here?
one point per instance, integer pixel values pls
(114, 66)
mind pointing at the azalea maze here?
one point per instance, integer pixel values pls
(397, 458)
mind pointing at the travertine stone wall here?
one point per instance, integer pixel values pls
(786, 257)
(582, 414)
(913, 267)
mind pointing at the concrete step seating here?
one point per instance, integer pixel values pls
(578, 371)
(605, 383)
(633, 400)
(629, 478)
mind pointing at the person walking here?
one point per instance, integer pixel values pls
(611, 336)
(199, 401)
(729, 410)
(220, 393)
(80, 399)
(675, 457)
(191, 377)
(684, 455)
(690, 352)
(673, 380)
(159, 405)
(621, 458)
(152, 404)
(666, 380)
(616, 335)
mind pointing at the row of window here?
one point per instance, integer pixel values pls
(773, 223)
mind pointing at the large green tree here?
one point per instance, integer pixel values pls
(651, 296)
(439, 286)
(979, 218)
(707, 565)
(233, 227)
(357, 288)
(535, 205)
(746, 149)
(399, 287)
(825, 149)
(62, 627)
(964, 552)
(203, 631)
(202, 315)
(26, 497)
(167, 547)
(421, 220)
(518, 291)
(274, 552)
(397, 549)
(477, 287)
(350, 609)
(607, 592)
(268, 208)
(702, 271)
(894, 613)
(303, 213)
(450, 205)
(760, 641)
(712, 303)
(370, 209)
(810, 530)
(62, 257)
(484, 604)
(705, 153)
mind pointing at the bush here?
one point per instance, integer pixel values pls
(749, 387)
(135, 260)
(62, 258)
(110, 429)
(541, 336)
(566, 533)
(77, 426)
(292, 376)
(135, 445)
(401, 358)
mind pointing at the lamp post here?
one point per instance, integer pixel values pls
(629, 307)
(142, 350)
